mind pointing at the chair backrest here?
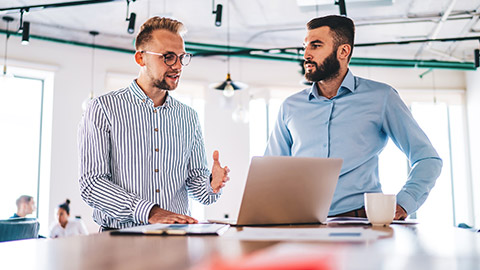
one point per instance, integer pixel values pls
(18, 228)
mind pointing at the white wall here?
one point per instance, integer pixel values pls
(72, 86)
(473, 110)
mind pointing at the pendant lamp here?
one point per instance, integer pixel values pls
(92, 70)
(6, 76)
(228, 87)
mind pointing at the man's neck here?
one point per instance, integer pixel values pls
(329, 88)
(158, 96)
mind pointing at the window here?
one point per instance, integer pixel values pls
(442, 118)
(21, 114)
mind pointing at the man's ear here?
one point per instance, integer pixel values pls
(139, 58)
(344, 51)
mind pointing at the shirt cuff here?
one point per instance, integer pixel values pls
(406, 201)
(209, 187)
(142, 211)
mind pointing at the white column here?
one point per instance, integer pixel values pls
(473, 114)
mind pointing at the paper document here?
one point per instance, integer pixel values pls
(174, 229)
(364, 221)
(355, 234)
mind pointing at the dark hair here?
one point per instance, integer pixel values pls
(342, 27)
(65, 206)
(23, 198)
(158, 23)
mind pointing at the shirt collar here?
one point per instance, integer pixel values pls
(138, 93)
(348, 83)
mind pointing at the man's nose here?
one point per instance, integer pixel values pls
(178, 65)
(307, 55)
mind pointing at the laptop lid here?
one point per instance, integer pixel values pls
(288, 190)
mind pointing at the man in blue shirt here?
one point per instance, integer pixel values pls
(344, 116)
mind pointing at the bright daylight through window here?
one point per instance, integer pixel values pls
(21, 120)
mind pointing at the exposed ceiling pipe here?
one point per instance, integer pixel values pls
(437, 28)
(283, 55)
(380, 20)
(467, 29)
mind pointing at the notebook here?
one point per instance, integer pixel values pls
(287, 190)
(174, 229)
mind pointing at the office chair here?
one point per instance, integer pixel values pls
(18, 228)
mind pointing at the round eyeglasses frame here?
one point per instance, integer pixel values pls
(171, 59)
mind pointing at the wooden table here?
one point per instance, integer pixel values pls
(405, 247)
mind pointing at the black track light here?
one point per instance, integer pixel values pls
(477, 57)
(342, 7)
(131, 23)
(26, 33)
(218, 17)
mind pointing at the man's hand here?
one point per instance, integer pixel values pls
(219, 174)
(400, 213)
(159, 215)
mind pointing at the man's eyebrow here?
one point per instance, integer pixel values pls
(313, 42)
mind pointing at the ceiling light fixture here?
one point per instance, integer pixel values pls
(341, 7)
(218, 13)
(26, 33)
(476, 53)
(228, 86)
(8, 20)
(91, 95)
(130, 19)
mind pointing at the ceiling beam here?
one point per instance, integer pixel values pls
(54, 5)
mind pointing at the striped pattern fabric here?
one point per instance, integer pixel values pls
(134, 155)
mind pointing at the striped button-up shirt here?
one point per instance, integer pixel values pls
(134, 155)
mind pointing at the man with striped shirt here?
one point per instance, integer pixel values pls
(142, 151)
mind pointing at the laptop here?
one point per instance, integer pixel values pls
(287, 190)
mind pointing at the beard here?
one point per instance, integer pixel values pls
(327, 70)
(163, 85)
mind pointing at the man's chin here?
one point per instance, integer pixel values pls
(309, 77)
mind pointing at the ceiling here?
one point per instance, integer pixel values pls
(265, 24)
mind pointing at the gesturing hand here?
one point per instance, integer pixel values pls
(219, 174)
(159, 215)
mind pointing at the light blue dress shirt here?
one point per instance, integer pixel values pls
(355, 125)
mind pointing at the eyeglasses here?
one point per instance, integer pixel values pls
(170, 59)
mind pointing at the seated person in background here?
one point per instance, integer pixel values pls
(65, 226)
(25, 206)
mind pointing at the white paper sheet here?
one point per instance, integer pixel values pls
(356, 234)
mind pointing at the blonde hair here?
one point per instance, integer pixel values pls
(158, 23)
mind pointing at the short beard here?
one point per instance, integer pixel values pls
(328, 69)
(163, 85)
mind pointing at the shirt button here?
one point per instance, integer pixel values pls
(143, 100)
(157, 190)
(156, 129)
(141, 222)
(156, 170)
(154, 111)
(156, 149)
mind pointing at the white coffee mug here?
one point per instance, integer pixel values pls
(380, 208)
